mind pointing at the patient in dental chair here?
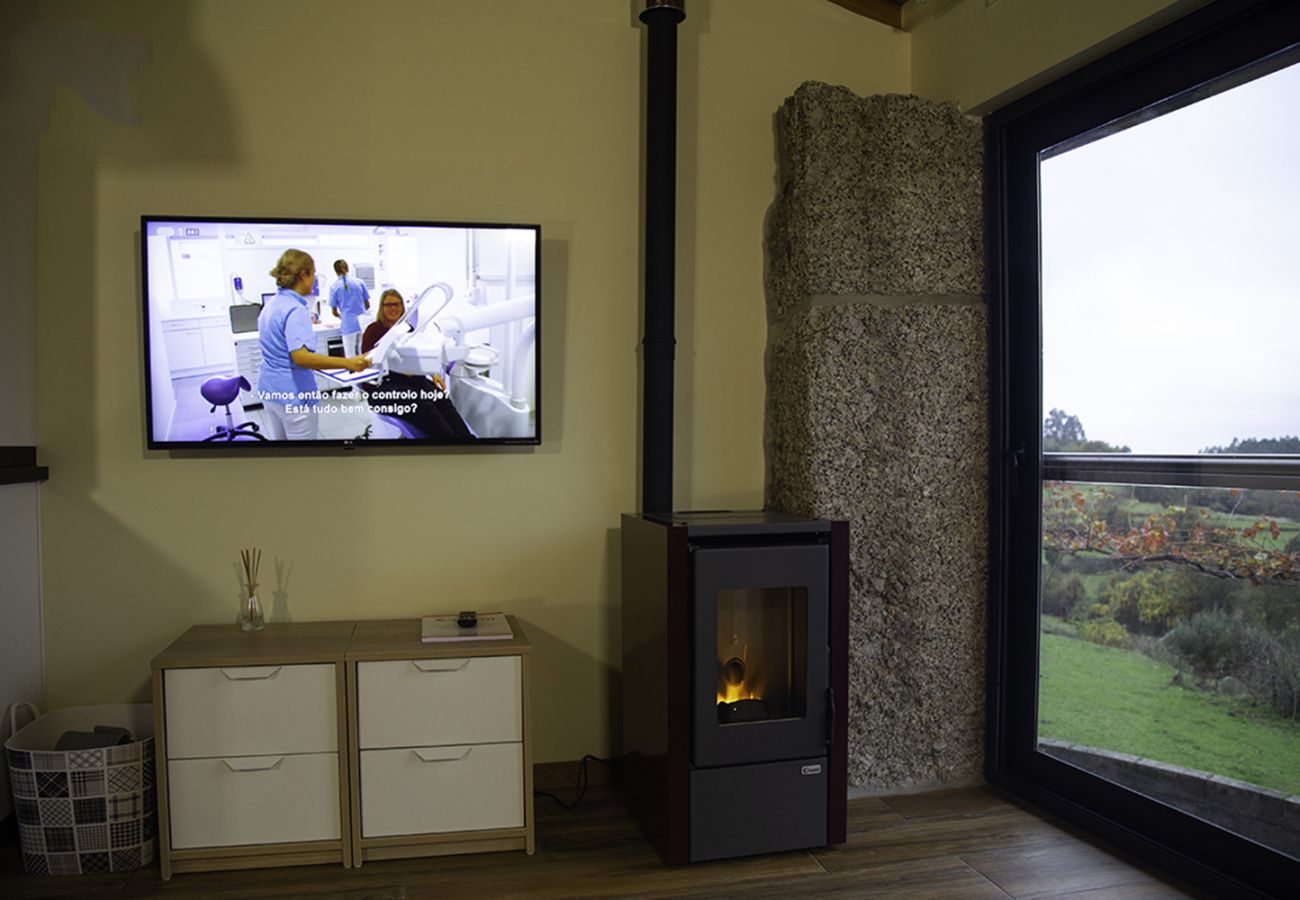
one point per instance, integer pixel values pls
(421, 402)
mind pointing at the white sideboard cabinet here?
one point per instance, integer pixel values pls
(251, 765)
(443, 737)
(340, 742)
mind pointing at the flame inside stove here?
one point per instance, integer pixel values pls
(736, 683)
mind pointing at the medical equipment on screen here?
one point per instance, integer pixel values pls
(491, 406)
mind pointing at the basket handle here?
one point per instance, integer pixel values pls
(13, 714)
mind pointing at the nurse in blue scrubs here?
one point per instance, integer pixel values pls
(285, 381)
(349, 298)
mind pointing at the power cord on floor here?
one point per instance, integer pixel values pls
(582, 780)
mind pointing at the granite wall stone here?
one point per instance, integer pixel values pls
(879, 195)
(877, 408)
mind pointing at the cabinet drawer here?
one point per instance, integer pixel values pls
(250, 710)
(429, 702)
(253, 800)
(439, 789)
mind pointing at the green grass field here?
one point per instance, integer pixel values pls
(1123, 701)
(1287, 528)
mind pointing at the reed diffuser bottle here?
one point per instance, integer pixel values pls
(250, 615)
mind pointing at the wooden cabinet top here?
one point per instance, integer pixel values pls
(400, 639)
(280, 642)
(311, 642)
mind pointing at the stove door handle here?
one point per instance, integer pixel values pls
(830, 721)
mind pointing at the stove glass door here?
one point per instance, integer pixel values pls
(760, 659)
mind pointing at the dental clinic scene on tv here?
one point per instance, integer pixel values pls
(341, 332)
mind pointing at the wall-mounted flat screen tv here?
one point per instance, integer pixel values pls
(279, 332)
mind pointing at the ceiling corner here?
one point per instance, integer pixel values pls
(888, 12)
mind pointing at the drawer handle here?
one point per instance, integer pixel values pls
(430, 666)
(255, 764)
(252, 673)
(432, 756)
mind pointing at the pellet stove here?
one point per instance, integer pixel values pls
(735, 624)
(734, 681)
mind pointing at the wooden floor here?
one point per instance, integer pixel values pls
(967, 843)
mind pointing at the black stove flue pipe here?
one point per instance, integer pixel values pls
(658, 343)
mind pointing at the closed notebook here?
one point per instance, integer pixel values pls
(490, 627)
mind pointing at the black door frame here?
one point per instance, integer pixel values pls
(1226, 42)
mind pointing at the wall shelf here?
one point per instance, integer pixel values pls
(18, 466)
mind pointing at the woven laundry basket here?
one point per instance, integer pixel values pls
(84, 810)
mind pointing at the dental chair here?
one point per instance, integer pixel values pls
(403, 428)
(223, 392)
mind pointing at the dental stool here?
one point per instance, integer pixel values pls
(222, 392)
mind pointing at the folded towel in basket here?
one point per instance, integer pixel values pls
(102, 736)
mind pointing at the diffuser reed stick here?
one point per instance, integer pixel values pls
(250, 619)
(252, 560)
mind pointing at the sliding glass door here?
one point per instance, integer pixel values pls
(1146, 338)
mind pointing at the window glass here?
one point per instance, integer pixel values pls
(1169, 645)
(1171, 278)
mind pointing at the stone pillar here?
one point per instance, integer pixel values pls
(877, 400)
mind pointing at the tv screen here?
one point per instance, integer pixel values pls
(262, 332)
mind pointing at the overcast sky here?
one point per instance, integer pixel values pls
(1171, 274)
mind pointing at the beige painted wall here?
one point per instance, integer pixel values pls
(515, 110)
(983, 53)
(511, 110)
